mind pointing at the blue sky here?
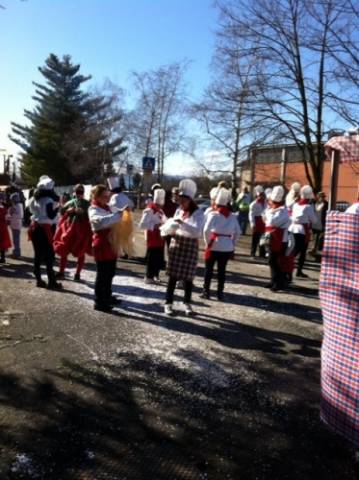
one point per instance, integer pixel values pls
(109, 38)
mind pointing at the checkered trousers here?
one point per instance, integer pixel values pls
(182, 258)
(339, 297)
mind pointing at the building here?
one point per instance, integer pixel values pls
(283, 164)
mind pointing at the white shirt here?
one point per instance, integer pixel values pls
(302, 215)
(218, 223)
(150, 219)
(39, 211)
(192, 227)
(120, 200)
(15, 215)
(256, 209)
(354, 209)
(279, 218)
(101, 218)
(207, 212)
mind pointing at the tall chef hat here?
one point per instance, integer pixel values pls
(295, 187)
(306, 192)
(187, 188)
(258, 190)
(155, 186)
(268, 192)
(159, 196)
(213, 193)
(45, 183)
(113, 182)
(277, 194)
(223, 197)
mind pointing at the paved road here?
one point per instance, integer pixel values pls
(230, 394)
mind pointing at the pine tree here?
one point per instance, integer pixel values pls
(67, 134)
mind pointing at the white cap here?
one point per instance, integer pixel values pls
(306, 192)
(277, 194)
(268, 192)
(295, 187)
(223, 197)
(155, 186)
(45, 183)
(113, 182)
(258, 190)
(213, 193)
(187, 188)
(159, 196)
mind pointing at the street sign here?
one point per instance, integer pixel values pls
(148, 163)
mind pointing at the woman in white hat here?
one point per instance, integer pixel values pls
(44, 207)
(220, 232)
(303, 216)
(183, 250)
(292, 196)
(256, 209)
(276, 218)
(152, 219)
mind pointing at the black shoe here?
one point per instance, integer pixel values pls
(103, 307)
(60, 276)
(115, 301)
(41, 284)
(77, 277)
(2, 260)
(205, 295)
(301, 275)
(220, 296)
(275, 288)
(268, 285)
(54, 286)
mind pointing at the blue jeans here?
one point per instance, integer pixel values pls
(16, 241)
(243, 221)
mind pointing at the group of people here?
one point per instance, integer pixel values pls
(281, 227)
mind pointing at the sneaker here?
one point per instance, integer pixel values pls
(77, 277)
(157, 280)
(41, 284)
(103, 307)
(301, 275)
(188, 310)
(168, 309)
(54, 286)
(149, 281)
(268, 285)
(205, 295)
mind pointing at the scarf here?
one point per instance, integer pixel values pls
(225, 211)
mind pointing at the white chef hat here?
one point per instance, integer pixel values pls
(277, 194)
(159, 196)
(45, 183)
(258, 190)
(187, 188)
(155, 186)
(113, 182)
(213, 193)
(306, 192)
(223, 197)
(268, 192)
(295, 187)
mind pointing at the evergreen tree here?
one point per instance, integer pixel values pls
(67, 135)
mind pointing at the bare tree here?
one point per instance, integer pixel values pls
(298, 91)
(157, 119)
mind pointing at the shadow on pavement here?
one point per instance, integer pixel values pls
(142, 417)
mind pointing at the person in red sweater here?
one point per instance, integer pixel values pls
(5, 241)
(152, 218)
(102, 219)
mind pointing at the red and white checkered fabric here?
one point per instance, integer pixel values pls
(339, 297)
(348, 148)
